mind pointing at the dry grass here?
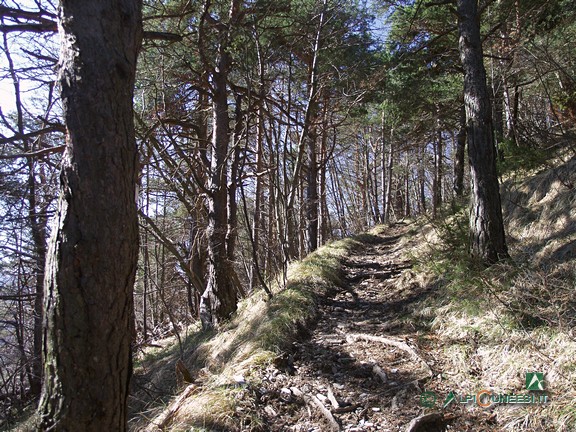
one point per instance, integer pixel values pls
(497, 324)
(261, 330)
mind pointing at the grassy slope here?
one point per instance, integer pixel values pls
(259, 334)
(493, 324)
(497, 324)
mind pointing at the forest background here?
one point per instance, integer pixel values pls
(333, 116)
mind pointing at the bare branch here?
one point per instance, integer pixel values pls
(17, 137)
(40, 21)
(164, 36)
(40, 56)
(33, 28)
(37, 153)
(17, 297)
(439, 3)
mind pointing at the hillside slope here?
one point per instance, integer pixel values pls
(358, 337)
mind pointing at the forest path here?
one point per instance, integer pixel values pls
(364, 365)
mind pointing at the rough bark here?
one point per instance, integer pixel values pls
(219, 300)
(459, 154)
(487, 240)
(93, 251)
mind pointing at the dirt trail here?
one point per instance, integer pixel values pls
(363, 367)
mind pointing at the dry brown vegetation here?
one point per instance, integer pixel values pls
(478, 328)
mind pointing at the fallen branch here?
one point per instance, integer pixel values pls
(162, 420)
(377, 370)
(314, 401)
(392, 342)
(332, 398)
(347, 409)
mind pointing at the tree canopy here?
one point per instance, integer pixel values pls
(265, 129)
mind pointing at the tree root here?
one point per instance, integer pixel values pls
(392, 342)
(164, 419)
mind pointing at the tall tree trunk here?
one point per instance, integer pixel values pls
(459, 154)
(323, 218)
(498, 109)
(219, 300)
(487, 240)
(437, 178)
(93, 252)
(407, 202)
(232, 232)
(311, 202)
(383, 172)
(389, 169)
(422, 181)
(258, 194)
(338, 198)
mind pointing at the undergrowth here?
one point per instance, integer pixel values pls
(261, 332)
(513, 317)
(515, 158)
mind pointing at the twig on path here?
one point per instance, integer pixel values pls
(392, 342)
(162, 421)
(347, 409)
(332, 398)
(314, 401)
(377, 370)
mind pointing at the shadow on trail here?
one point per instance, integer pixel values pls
(359, 359)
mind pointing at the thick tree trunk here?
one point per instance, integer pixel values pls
(487, 240)
(93, 251)
(219, 300)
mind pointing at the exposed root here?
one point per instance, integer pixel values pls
(392, 342)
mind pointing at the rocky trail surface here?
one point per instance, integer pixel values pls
(365, 364)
